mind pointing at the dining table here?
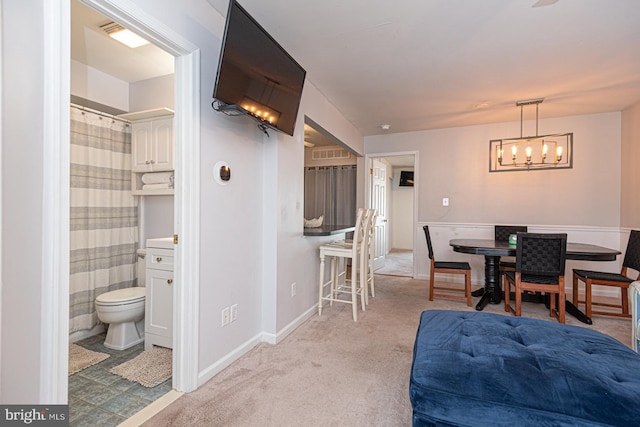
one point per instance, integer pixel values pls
(493, 250)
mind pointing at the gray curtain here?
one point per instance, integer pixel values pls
(330, 191)
(103, 216)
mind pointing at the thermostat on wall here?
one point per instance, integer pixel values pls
(222, 173)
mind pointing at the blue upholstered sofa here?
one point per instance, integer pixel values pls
(481, 369)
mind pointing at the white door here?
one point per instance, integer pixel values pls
(378, 174)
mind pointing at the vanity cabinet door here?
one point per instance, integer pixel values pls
(159, 299)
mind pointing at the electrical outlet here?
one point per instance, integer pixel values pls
(294, 289)
(445, 201)
(225, 316)
(234, 312)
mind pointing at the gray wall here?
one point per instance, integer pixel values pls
(454, 163)
(23, 148)
(251, 230)
(630, 170)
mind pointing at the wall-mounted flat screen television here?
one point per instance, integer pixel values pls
(256, 76)
(406, 179)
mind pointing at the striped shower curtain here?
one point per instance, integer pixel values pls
(103, 216)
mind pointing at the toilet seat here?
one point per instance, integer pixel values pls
(121, 297)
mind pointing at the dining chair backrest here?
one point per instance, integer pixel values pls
(372, 227)
(502, 232)
(541, 254)
(428, 237)
(632, 254)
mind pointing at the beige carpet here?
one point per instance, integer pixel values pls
(332, 371)
(398, 262)
(81, 358)
(150, 368)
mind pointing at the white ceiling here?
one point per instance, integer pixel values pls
(92, 46)
(426, 64)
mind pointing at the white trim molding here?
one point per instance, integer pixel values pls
(55, 289)
(416, 190)
(186, 318)
(54, 320)
(226, 361)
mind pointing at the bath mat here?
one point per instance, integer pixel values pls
(149, 368)
(81, 358)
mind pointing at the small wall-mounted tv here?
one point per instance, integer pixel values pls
(406, 179)
(256, 76)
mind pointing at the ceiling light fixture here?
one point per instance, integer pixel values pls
(385, 127)
(123, 35)
(531, 152)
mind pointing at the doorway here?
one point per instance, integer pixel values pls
(394, 197)
(186, 219)
(330, 178)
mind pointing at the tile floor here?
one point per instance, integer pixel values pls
(100, 398)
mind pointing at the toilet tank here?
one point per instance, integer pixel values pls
(141, 267)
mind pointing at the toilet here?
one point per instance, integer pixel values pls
(123, 311)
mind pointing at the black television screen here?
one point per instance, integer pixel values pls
(256, 75)
(406, 179)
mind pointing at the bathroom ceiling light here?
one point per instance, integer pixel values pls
(385, 127)
(123, 35)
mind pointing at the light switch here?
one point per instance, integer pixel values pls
(445, 201)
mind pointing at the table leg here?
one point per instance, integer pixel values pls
(575, 312)
(491, 292)
(572, 310)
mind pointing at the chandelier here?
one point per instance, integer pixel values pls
(531, 152)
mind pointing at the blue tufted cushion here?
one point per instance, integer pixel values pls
(478, 369)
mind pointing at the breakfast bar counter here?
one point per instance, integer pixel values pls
(328, 230)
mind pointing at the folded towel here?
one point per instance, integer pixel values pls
(157, 186)
(158, 178)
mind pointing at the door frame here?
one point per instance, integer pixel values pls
(367, 191)
(55, 289)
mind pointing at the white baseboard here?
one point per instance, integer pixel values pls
(284, 332)
(240, 351)
(211, 371)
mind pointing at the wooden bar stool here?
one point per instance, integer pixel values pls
(355, 284)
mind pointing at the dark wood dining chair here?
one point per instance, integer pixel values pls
(540, 260)
(602, 278)
(501, 234)
(447, 267)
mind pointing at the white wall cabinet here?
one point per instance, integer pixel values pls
(158, 328)
(152, 146)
